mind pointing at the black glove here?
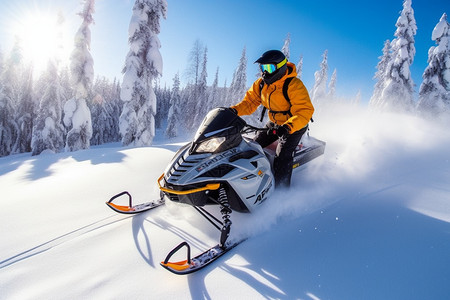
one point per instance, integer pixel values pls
(280, 131)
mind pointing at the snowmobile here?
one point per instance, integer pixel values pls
(221, 167)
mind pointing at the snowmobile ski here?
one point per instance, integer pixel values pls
(132, 209)
(191, 265)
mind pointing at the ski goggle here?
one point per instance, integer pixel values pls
(270, 68)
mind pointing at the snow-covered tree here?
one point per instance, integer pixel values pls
(105, 112)
(174, 111)
(319, 90)
(285, 49)
(214, 95)
(397, 94)
(357, 100)
(202, 96)
(192, 91)
(15, 87)
(195, 62)
(162, 110)
(48, 131)
(77, 115)
(8, 126)
(1, 62)
(434, 94)
(143, 64)
(59, 54)
(380, 75)
(332, 85)
(114, 107)
(24, 108)
(238, 86)
(300, 67)
(100, 120)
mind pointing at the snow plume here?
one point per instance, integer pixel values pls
(142, 65)
(366, 152)
(82, 75)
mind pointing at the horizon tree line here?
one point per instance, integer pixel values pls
(66, 109)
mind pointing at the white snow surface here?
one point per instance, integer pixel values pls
(370, 219)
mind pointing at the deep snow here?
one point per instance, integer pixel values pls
(368, 220)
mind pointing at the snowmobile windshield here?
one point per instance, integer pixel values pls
(219, 131)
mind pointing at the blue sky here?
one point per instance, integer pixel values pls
(352, 31)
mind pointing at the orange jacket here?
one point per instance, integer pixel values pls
(271, 96)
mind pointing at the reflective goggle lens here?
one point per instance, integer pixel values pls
(269, 68)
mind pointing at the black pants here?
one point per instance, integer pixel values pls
(282, 165)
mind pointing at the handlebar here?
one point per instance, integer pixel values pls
(249, 129)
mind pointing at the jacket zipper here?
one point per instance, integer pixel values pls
(269, 98)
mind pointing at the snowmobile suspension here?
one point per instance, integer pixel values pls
(225, 210)
(225, 225)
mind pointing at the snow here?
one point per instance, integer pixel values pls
(441, 29)
(368, 220)
(69, 109)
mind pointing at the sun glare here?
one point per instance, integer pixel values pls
(41, 38)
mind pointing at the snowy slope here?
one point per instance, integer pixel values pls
(368, 220)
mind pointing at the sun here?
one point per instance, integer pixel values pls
(42, 38)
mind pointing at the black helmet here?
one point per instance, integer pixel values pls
(278, 67)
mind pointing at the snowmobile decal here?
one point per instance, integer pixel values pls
(216, 159)
(262, 197)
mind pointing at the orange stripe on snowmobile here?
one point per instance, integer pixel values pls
(209, 186)
(120, 207)
(179, 265)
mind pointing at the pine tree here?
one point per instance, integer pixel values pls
(285, 49)
(114, 108)
(104, 118)
(77, 114)
(162, 111)
(380, 76)
(8, 127)
(48, 131)
(202, 97)
(192, 92)
(214, 96)
(238, 86)
(300, 67)
(24, 109)
(319, 90)
(143, 64)
(174, 111)
(357, 99)
(11, 94)
(332, 86)
(434, 94)
(397, 94)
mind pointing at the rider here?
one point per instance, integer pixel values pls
(289, 118)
